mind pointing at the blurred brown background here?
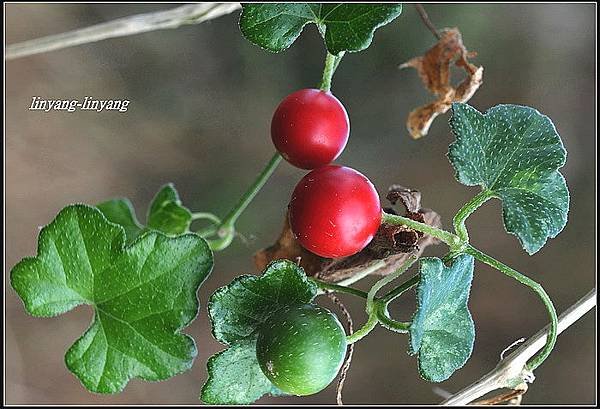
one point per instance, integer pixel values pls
(202, 99)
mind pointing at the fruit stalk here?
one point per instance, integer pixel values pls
(331, 64)
(226, 229)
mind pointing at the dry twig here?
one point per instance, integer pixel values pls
(511, 372)
(136, 24)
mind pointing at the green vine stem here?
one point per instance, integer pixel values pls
(374, 307)
(331, 64)
(450, 239)
(388, 279)
(338, 288)
(387, 322)
(401, 289)
(365, 329)
(206, 216)
(226, 229)
(362, 274)
(466, 211)
(383, 302)
(457, 245)
(212, 228)
(538, 289)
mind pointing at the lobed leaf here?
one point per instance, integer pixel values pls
(344, 26)
(514, 152)
(166, 214)
(442, 330)
(142, 295)
(121, 212)
(237, 311)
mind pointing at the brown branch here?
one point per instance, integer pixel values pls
(426, 20)
(515, 395)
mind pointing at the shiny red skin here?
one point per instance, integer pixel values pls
(310, 128)
(335, 211)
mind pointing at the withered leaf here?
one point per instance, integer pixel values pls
(392, 243)
(434, 69)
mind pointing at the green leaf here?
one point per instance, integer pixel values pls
(235, 377)
(344, 26)
(442, 330)
(236, 312)
(166, 213)
(514, 152)
(121, 212)
(142, 295)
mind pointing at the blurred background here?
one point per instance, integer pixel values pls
(201, 104)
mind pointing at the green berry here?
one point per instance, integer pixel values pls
(301, 349)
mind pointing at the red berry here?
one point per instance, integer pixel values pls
(334, 211)
(310, 128)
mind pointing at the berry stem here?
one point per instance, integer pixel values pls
(331, 64)
(226, 229)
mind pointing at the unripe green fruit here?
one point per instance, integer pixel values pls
(301, 349)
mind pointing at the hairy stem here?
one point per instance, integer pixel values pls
(460, 217)
(331, 64)
(538, 289)
(391, 324)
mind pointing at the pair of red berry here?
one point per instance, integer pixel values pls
(334, 210)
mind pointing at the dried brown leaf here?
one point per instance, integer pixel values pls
(392, 243)
(434, 70)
